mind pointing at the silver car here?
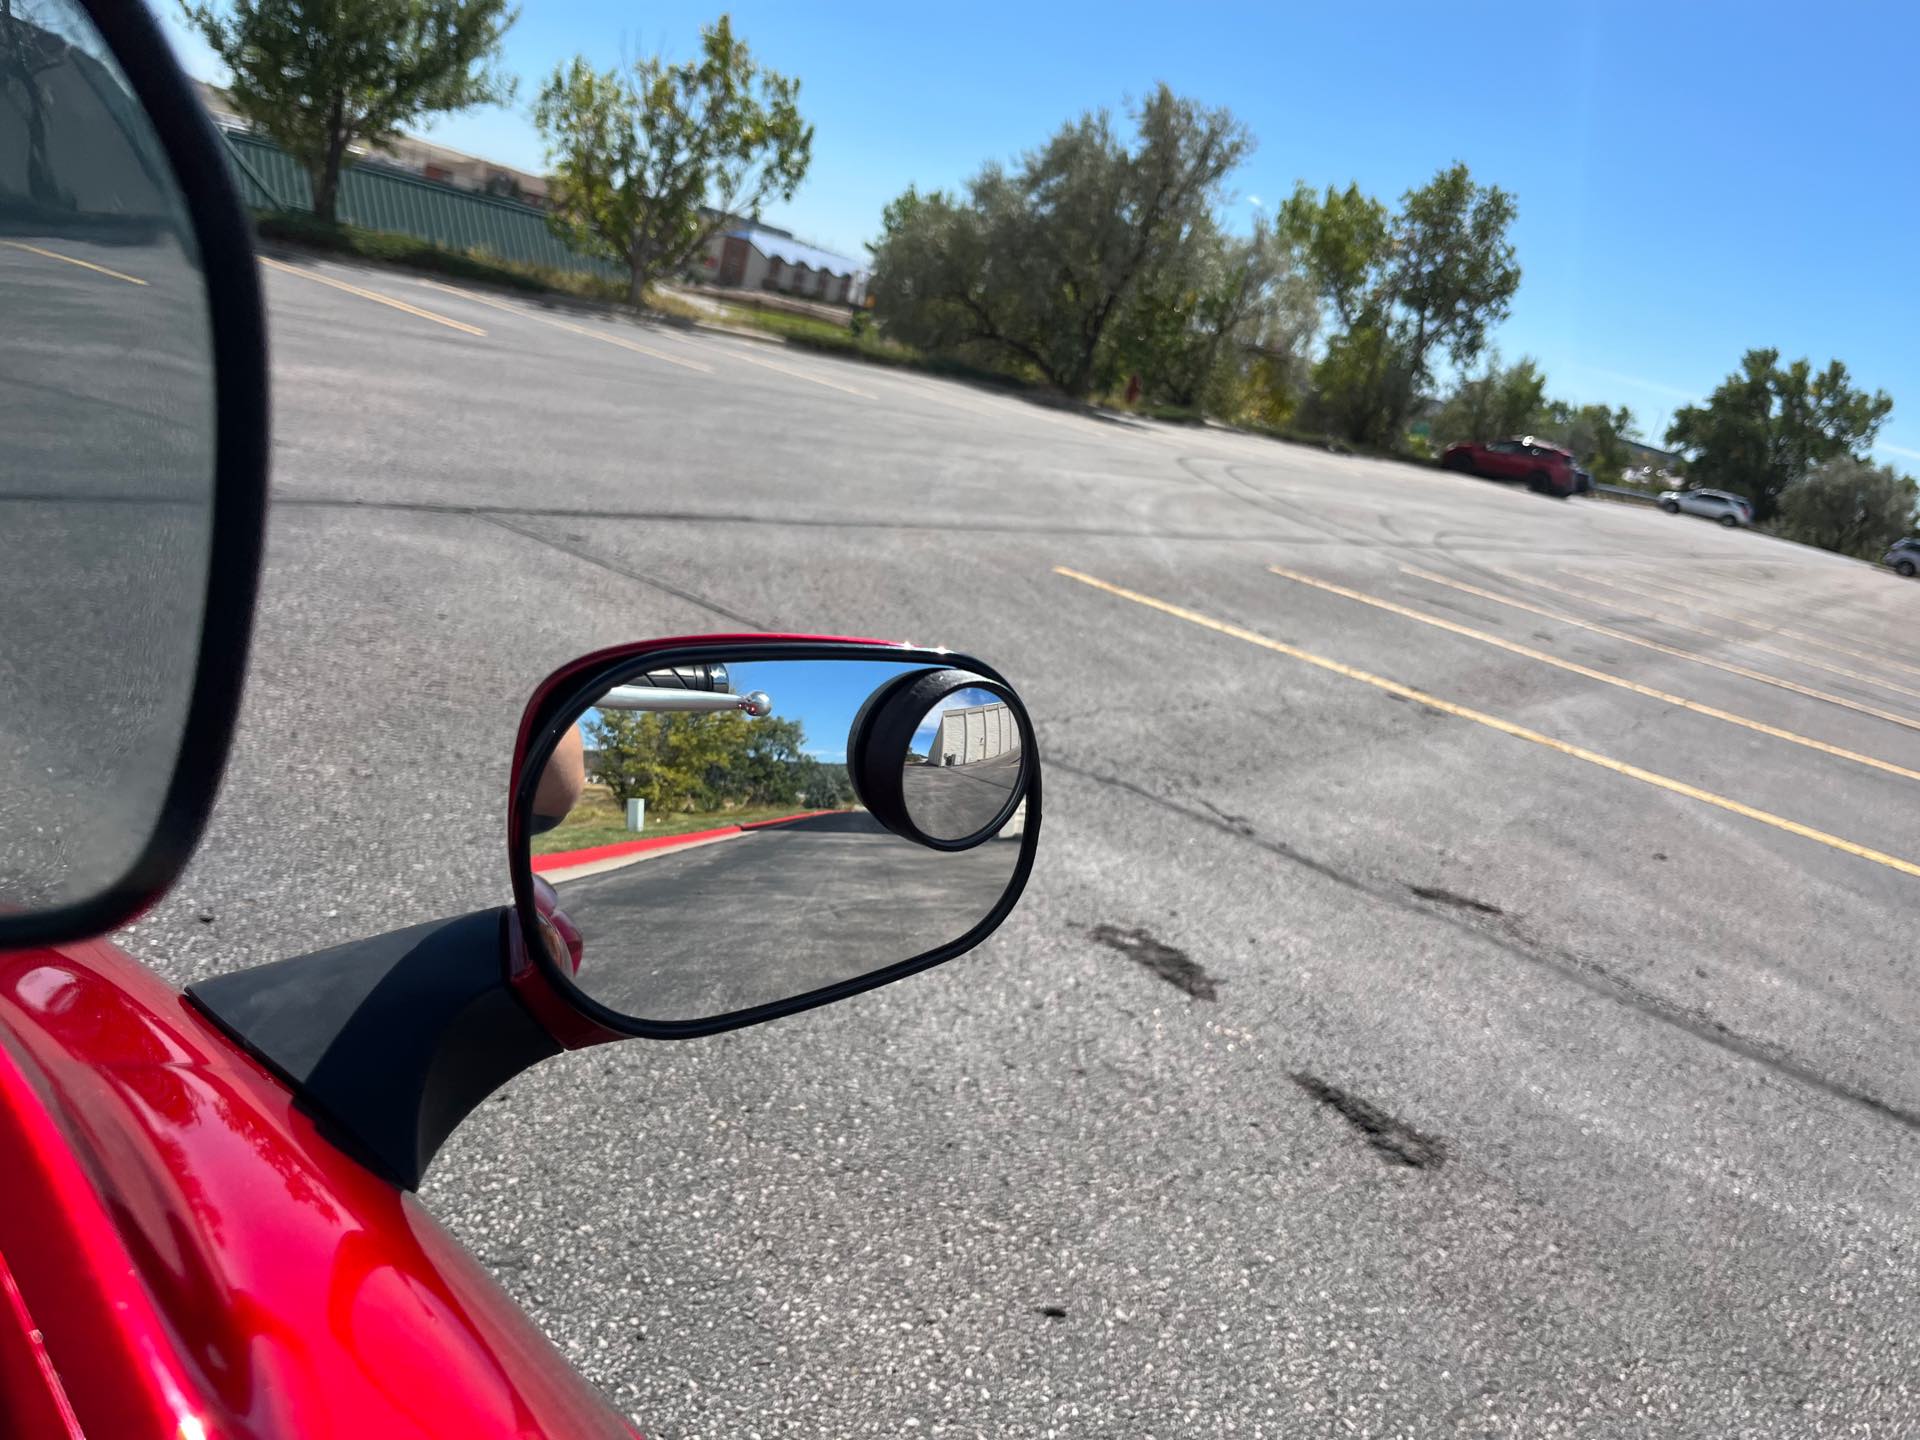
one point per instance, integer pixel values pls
(1722, 505)
(1903, 557)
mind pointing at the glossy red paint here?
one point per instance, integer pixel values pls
(558, 1015)
(197, 1260)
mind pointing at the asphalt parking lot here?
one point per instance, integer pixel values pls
(1466, 987)
(772, 912)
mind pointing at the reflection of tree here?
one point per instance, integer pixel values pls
(679, 762)
(26, 51)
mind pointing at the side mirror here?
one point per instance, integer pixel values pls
(720, 833)
(133, 477)
(704, 834)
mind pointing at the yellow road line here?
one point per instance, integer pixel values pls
(1667, 619)
(1573, 667)
(1505, 727)
(374, 296)
(740, 354)
(1705, 602)
(1727, 665)
(83, 264)
(570, 327)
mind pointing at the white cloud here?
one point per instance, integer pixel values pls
(1255, 202)
(1903, 451)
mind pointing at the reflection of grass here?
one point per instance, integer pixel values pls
(600, 820)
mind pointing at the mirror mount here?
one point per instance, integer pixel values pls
(388, 1043)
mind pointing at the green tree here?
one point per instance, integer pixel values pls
(649, 164)
(1206, 311)
(1597, 437)
(1431, 280)
(1343, 239)
(1767, 425)
(679, 762)
(320, 76)
(1499, 401)
(1034, 266)
(771, 762)
(1850, 506)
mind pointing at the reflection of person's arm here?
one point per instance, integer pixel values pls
(560, 783)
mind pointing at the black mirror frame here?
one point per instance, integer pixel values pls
(562, 705)
(237, 326)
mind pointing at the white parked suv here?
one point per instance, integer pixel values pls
(1721, 505)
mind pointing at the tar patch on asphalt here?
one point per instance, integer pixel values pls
(1172, 965)
(1396, 1141)
(1440, 896)
(1052, 1312)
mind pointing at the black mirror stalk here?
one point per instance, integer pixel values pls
(388, 1042)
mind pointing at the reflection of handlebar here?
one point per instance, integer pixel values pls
(663, 699)
(711, 678)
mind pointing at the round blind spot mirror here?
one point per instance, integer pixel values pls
(963, 765)
(941, 757)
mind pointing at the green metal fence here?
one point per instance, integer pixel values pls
(376, 198)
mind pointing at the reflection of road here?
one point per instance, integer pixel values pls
(951, 801)
(774, 913)
(106, 404)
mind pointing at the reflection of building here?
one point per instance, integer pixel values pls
(979, 732)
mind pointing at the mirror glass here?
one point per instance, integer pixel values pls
(106, 474)
(964, 765)
(707, 852)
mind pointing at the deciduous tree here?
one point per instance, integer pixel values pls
(648, 163)
(1430, 280)
(1034, 266)
(1850, 506)
(1767, 425)
(320, 76)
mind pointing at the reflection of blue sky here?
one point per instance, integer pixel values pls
(959, 700)
(823, 695)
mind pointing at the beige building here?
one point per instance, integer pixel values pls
(747, 256)
(978, 732)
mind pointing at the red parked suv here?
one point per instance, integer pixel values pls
(1546, 467)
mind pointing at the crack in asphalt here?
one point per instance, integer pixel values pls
(1509, 938)
(1442, 896)
(651, 581)
(1396, 1140)
(819, 522)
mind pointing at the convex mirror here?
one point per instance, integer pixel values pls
(719, 836)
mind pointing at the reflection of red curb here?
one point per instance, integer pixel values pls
(567, 859)
(784, 819)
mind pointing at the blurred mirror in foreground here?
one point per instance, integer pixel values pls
(707, 837)
(107, 472)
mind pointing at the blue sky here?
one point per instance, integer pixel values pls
(1693, 179)
(823, 695)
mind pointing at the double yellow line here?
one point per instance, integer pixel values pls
(1494, 722)
(1573, 667)
(1743, 671)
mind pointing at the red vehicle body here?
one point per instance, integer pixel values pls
(185, 1255)
(1545, 467)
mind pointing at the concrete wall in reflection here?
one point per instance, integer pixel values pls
(979, 732)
